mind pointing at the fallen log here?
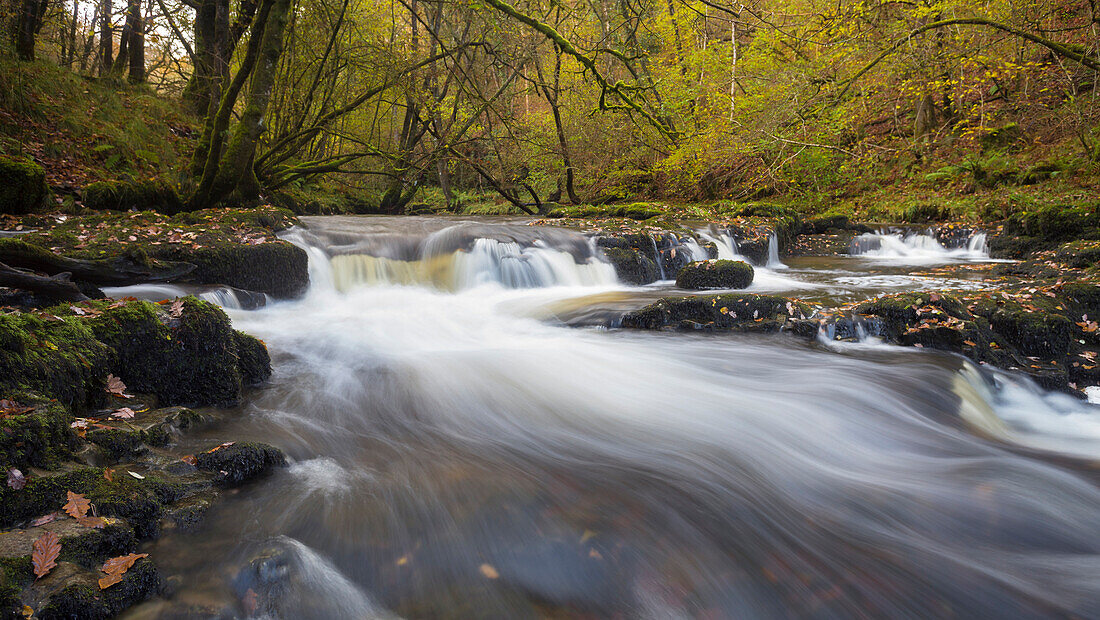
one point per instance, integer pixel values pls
(119, 271)
(54, 288)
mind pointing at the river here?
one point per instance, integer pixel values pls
(470, 439)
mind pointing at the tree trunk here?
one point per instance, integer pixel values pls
(27, 24)
(137, 42)
(71, 58)
(233, 170)
(106, 39)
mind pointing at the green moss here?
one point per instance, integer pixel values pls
(55, 356)
(41, 438)
(726, 274)
(190, 360)
(634, 211)
(147, 195)
(116, 444)
(139, 502)
(84, 601)
(22, 185)
(742, 312)
(253, 360)
(632, 266)
(95, 546)
(241, 463)
(277, 268)
(15, 574)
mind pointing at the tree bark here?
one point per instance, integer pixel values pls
(108, 272)
(55, 288)
(106, 39)
(28, 22)
(137, 42)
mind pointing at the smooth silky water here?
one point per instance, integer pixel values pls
(457, 453)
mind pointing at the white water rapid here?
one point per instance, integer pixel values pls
(455, 458)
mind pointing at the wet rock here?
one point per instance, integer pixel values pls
(632, 266)
(22, 185)
(741, 312)
(827, 244)
(139, 502)
(831, 223)
(189, 514)
(190, 358)
(87, 547)
(722, 274)
(240, 463)
(39, 438)
(277, 268)
(116, 444)
(72, 592)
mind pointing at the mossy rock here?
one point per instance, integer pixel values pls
(85, 546)
(22, 186)
(1055, 223)
(116, 444)
(254, 362)
(278, 268)
(72, 593)
(240, 463)
(139, 502)
(192, 359)
(40, 438)
(59, 357)
(741, 312)
(723, 274)
(147, 195)
(632, 266)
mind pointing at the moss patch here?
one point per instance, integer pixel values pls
(146, 195)
(727, 274)
(22, 185)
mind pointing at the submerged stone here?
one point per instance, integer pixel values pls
(239, 463)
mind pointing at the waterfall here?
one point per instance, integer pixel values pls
(773, 253)
(916, 247)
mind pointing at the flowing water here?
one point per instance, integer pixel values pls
(457, 453)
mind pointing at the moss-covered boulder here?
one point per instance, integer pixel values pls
(144, 195)
(740, 312)
(632, 266)
(239, 463)
(52, 355)
(139, 502)
(724, 274)
(1045, 228)
(186, 355)
(81, 545)
(235, 247)
(41, 437)
(22, 185)
(72, 593)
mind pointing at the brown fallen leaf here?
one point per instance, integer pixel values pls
(116, 387)
(16, 479)
(10, 407)
(117, 567)
(224, 445)
(108, 474)
(176, 310)
(45, 552)
(190, 459)
(95, 523)
(44, 519)
(125, 413)
(77, 506)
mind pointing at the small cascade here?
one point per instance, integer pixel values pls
(919, 247)
(461, 257)
(225, 296)
(659, 258)
(724, 242)
(773, 253)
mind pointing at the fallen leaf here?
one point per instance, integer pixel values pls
(77, 506)
(125, 413)
(224, 445)
(16, 479)
(108, 474)
(176, 310)
(488, 571)
(116, 387)
(10, 407)
(136, 475)
(45, 552)
(95, 523)
(190, 459)
(117, 567)
(44, 519)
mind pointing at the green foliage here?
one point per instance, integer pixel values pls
(147, 195)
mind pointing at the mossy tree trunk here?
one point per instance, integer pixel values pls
(229, 168)
(28, 22)
(106, 39)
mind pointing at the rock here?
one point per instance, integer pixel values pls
(723, 274)
(52, 356)
(22, 185)
(139, 502)
(240, 463)
(147, 195)
(741, 312)
(277, 268)
(39, 438)
(632, 266)
(88, 547)
(73, 592)
(190, 359)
